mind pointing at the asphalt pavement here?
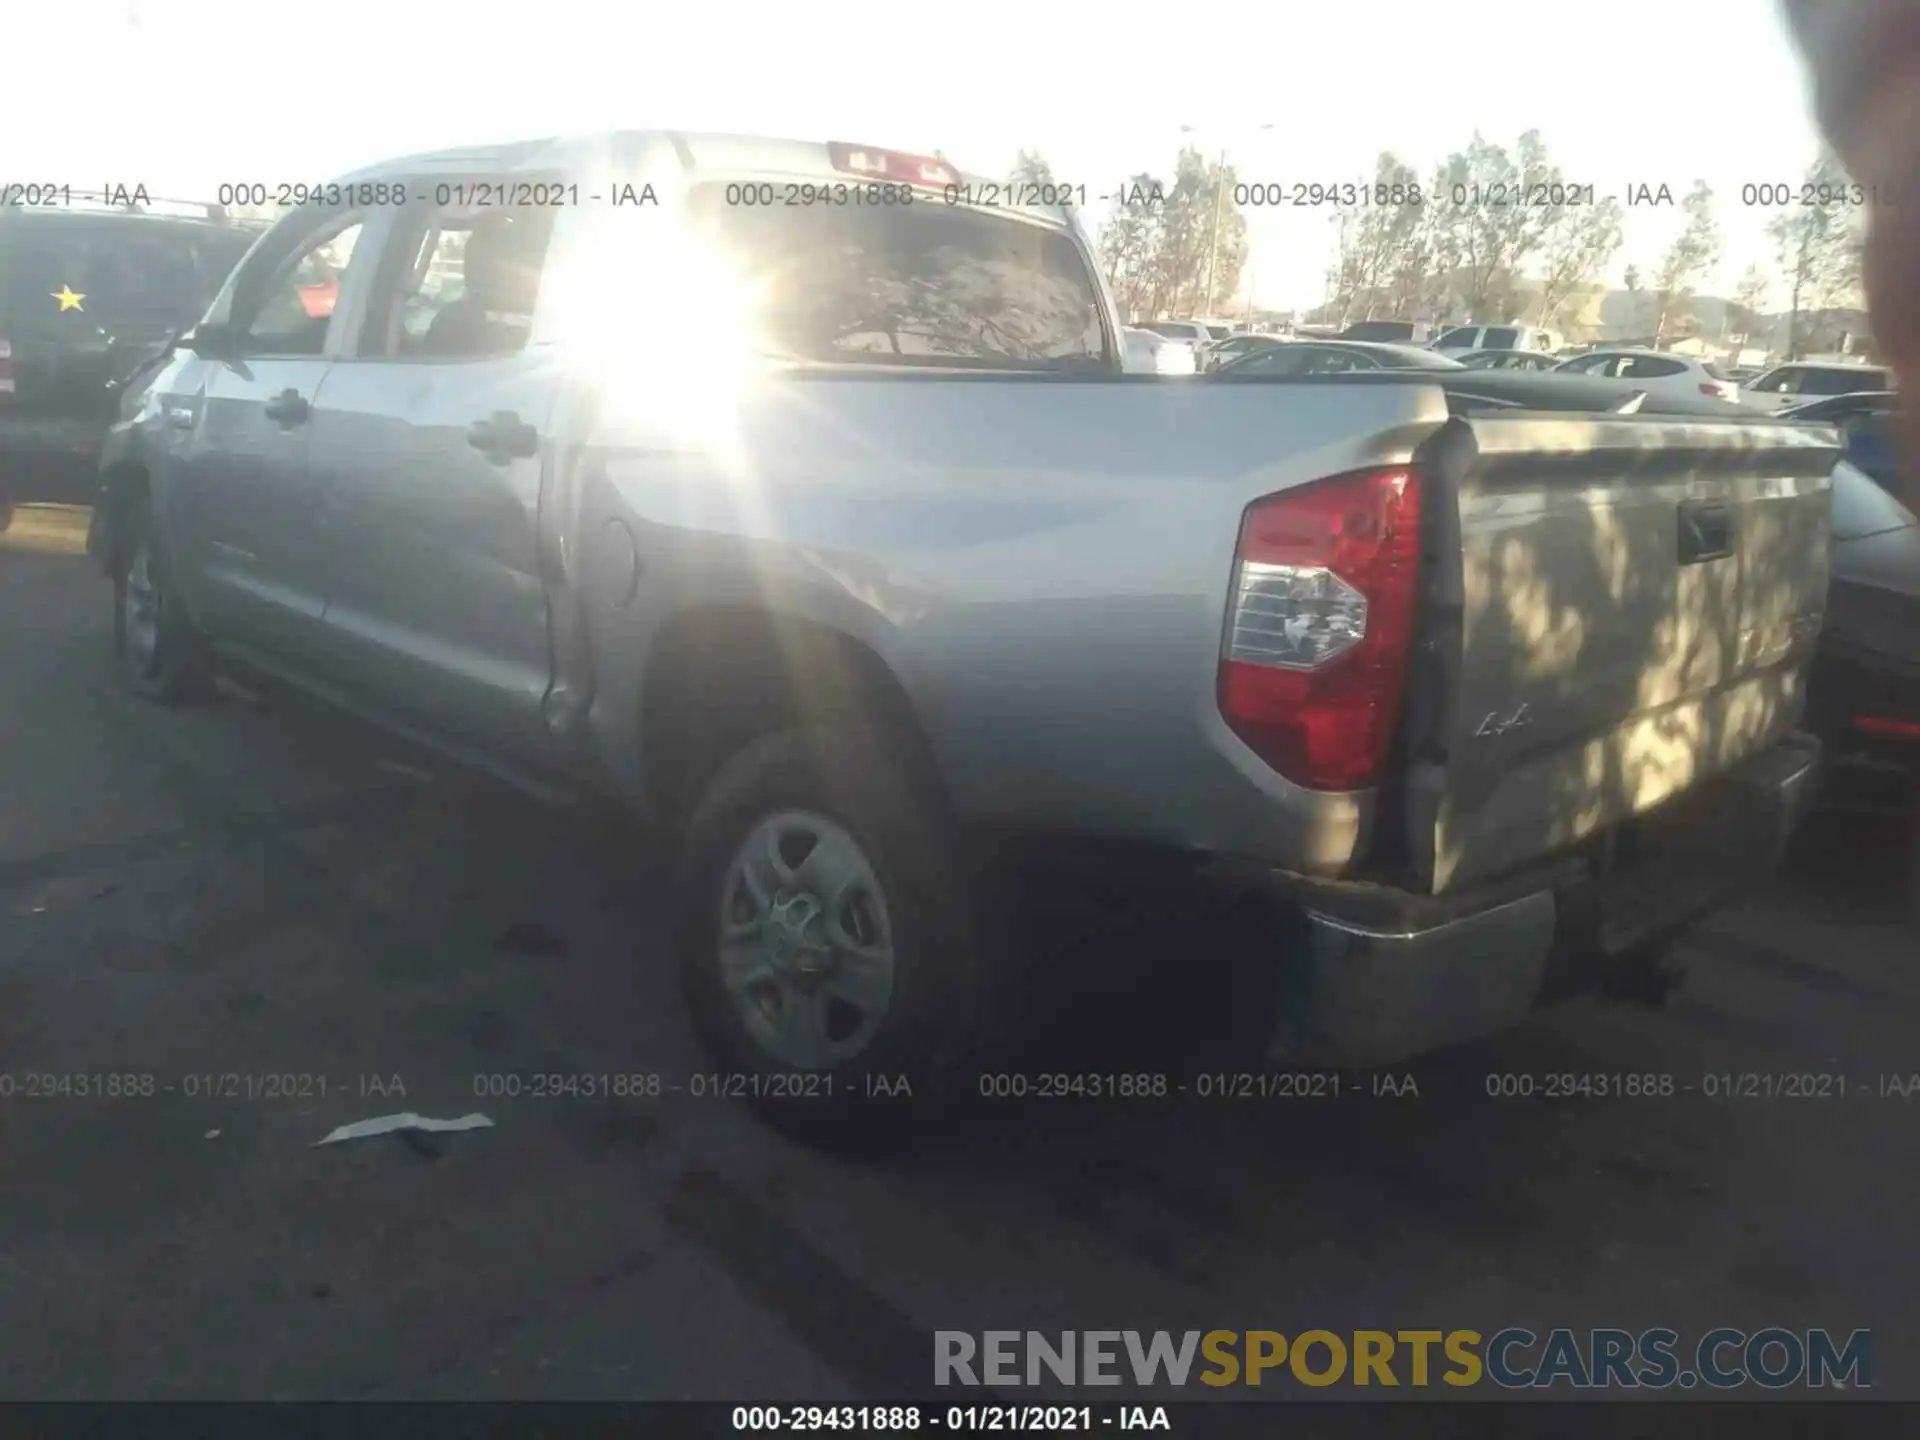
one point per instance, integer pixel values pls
(267, 922)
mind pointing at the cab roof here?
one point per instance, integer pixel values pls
(718, 152)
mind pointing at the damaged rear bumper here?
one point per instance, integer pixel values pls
(1375, 976)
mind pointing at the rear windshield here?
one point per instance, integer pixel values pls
(1169, 329)
(912, 284)
(133, 277)
(1461, 335)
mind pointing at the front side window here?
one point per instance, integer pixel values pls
(462, 284)
(296, 306)
(1835, 382)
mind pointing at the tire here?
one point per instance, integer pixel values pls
(870, 858)
(158, 655)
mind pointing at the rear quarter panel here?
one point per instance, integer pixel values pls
(1043, 565)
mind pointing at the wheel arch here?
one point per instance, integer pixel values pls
(718, 677)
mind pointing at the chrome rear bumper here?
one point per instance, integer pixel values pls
(1359, 992)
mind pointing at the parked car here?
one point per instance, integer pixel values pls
(1225, 352)
(90, 292)
(1187, 332)
(1505, 359)
(1334, 357)
(1802, 380)
(1864, 695)
(1390, 332)
(1655, 371)
(821, 607)
(1151, 354)
(1498, 337)
(1866, 422)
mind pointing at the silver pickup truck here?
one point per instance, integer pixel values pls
(793, 495)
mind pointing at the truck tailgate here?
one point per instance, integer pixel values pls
(1615, 609)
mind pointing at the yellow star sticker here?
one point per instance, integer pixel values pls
(68, 300)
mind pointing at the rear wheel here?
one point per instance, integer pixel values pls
(825, 951)
(158, 654)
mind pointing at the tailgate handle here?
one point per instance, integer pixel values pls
(1706, 531)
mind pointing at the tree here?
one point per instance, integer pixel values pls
(1130, 242)
(1635, 283)
(1483, 212)
(1747, 311)
(1031, 169)
(1689, 257)
(1375, 250)
(1175, 249)
(1819, 252)
(1579, 243)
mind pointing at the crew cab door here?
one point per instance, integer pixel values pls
(245, 504)
(429, 454)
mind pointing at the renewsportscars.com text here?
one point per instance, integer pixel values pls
(1604, 1359)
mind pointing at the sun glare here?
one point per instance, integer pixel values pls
(667, 325)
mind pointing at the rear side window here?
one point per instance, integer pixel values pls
(129, 277)
(1281, 360)
(910, 284)
(1503, 337)
(1837, 382)
(1608, 365)
(1650, 367)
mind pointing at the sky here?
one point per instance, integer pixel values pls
(184, 95)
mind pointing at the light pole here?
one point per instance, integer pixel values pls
(1219, 207)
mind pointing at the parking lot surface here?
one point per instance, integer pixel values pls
(242, 889)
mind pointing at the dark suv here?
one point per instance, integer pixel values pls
(89, 294)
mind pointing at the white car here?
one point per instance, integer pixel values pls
(1800, 381)
(1187, 332)
(1150, 353)
(1656, 371)
(1497, 337)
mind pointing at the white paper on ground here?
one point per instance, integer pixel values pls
(406, 1120)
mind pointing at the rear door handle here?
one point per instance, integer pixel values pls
(504, 436)
(289, 407)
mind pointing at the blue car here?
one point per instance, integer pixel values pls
(1866, 423)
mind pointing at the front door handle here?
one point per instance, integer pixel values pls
(504, 436)
(289, 407)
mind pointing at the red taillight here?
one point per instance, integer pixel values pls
(1718, 392)
(1320, 623)
(6, 368)
(871, 164)
(1883, 725)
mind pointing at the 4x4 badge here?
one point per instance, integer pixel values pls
(1494, 725)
